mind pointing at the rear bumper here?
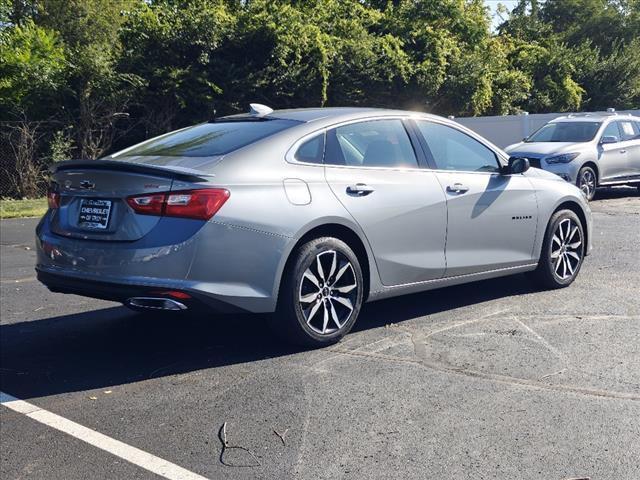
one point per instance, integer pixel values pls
(221, 266)
(121, 292)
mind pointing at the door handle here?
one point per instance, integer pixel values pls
(623, 151)
(457, 188)
(360, 189)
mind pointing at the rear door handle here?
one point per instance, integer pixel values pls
(360, 189)
(623, 151)
(457, 188)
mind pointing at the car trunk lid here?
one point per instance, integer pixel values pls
(93, 195)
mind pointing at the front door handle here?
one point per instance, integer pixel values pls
(623, 151)
(360, 189)
(457, 188)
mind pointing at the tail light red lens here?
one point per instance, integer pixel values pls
(53, 199)
(148, 204)
(201, 204)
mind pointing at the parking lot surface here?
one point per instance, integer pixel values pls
(488, 380)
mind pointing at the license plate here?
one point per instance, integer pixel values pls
(94, 213)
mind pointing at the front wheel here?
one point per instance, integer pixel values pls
(562, 251)
(587, 181)
(321, 294)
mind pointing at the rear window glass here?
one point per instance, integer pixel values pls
(210, 139)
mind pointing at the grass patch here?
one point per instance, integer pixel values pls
(28, 207)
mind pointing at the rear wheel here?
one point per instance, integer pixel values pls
(587, 181)
(321, 294)
(562, 251)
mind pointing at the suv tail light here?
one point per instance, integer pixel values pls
(201, 204)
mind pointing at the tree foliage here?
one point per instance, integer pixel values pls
(107, 73)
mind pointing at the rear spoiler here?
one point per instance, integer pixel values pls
(169, 171)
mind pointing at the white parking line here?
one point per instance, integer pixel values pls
(115, 447)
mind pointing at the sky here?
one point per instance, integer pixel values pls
(493, 4)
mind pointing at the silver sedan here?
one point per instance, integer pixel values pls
(307, 213)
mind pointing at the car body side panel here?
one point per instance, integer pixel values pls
(492, 225)
(404, 219)
(612, 161)
(551, 192)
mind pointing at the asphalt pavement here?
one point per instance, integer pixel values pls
(490, 380)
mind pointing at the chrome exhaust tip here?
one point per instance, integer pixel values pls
(153, 303)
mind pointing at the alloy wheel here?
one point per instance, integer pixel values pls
(587, 183)
(566, 249)
(328, 291)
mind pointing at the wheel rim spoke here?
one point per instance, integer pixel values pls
(310, 297)
(568, 262)
(334, 316)
(320, 270)
(313, 311)
(343, 269)
(344, 301)
(325, 320)
(345, 289)
(311, 277)
(574, 255)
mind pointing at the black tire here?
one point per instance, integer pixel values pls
(303, 322)
(587, 182)
(550, 272)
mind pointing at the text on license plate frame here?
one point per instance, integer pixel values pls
(97, 218)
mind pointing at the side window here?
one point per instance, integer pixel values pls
(312, 150)
(452, 149)
(637, 137)
(628, 130)
(612, 131)
(375, 143)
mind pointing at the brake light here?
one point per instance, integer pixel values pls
(201, 204)
(148, 204)
(53, 199)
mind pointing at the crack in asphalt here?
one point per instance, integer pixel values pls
(420, 340)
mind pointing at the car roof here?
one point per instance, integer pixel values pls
(331, 114)
(594, 117)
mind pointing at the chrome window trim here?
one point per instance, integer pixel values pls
(290, 155)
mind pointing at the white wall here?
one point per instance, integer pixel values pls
(508, 129)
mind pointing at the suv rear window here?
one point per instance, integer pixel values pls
(211, 139)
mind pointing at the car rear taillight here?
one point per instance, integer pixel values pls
(201, 204)
(53, 199)
(148, 204)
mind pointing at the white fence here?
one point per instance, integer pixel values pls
(508, 129)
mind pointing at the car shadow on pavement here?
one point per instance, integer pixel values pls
(114, 346)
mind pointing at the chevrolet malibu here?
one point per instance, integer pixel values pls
(306, 213)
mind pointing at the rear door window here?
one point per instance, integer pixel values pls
(211, 139)
(374, 143)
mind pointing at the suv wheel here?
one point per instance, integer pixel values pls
(587, 182)
(562, 251)
(321, 294)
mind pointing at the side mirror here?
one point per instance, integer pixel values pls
(516, 165)
(609, 139)
(525, 139)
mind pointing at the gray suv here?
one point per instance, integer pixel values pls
(589, 150)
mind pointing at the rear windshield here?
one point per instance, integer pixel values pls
(210, 139)
(566, 132)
